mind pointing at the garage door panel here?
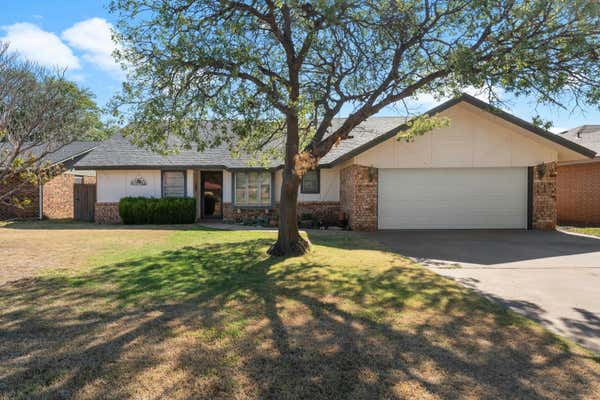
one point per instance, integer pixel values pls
(453, 198)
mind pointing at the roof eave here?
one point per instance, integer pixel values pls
(74, 156)
(171, 167)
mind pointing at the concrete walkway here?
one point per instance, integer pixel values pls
(550, 277)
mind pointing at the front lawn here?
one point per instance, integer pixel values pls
(195, 313)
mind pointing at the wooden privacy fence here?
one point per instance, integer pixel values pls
(85, 200)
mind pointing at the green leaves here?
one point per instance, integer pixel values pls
(40, 112)
(254, 61)
(420, 125)
(538, 121)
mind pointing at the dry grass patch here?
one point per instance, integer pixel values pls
(27, 248)
(206, 314)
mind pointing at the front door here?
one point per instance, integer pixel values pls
(211, 194)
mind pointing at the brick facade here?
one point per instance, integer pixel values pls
(358, 201)
(58, 196)
(578, 194)
(358, 196)
(327, 211)
(57, 199)
(107, 213)
(238, 214)
(544, 196)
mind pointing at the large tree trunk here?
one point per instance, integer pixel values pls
(289, 242)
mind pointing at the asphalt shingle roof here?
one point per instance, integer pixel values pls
(586, 136)
(70, 150)
(119, 152)
(62, 154)
(369, 130)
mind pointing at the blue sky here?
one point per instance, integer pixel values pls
(71, 33)
(76, 34)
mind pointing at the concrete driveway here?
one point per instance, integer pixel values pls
(550, 277)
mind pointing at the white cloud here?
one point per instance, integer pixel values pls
(428, 100)
(483, 94)
(93, 38)
(558, 129)
(40, 46)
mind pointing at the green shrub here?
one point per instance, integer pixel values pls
(142, 210)
(306, 216)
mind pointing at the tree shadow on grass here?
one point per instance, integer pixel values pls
(224, 321)
(587, 327)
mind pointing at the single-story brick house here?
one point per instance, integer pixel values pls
(488, 169)
(56, 198)
(578, 183)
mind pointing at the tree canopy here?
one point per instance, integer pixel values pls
(253, 60)
(40, 112)
(300, 63)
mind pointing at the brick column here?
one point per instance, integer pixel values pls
(358, 196)
(58, 197)
(544, 196)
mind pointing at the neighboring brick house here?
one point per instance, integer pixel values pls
(488, 169)
(54, 199)
(578, 183)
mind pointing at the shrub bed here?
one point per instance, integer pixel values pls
(142, 210)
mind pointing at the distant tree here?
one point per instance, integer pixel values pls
(40, 112)
(282, 69)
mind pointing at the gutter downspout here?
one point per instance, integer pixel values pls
(41, 201)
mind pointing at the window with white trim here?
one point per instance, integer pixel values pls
(173, 184)
(310, 182)
(252, 188)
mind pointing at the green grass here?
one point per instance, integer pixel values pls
(594, 231)
(197, 313)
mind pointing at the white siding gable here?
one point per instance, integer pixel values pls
(474, 138)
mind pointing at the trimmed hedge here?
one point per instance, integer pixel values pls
(143, 210)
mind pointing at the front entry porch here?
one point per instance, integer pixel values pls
(208, 190)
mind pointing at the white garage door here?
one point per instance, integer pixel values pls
(452, 198)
